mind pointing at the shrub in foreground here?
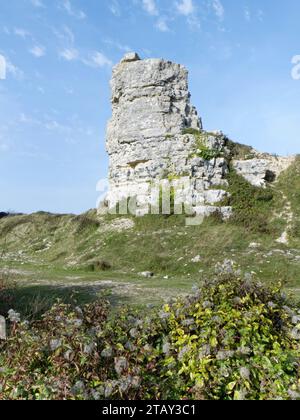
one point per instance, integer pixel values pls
(231, 339)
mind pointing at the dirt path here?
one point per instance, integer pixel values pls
(287, 215)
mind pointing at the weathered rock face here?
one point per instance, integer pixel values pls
(155, 137)
(150, 137)
(254, 170)
(263, 168)
(151, 105)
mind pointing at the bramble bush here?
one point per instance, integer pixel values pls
(232, 339)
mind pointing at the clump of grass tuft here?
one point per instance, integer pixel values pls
(7, 286)
(239, 151)
(99, 266)
(201, 148)
(83, 222)
(191, 131)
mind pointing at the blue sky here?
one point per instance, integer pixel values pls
(55, 99)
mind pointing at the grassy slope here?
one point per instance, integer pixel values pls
(289, 184)
(55, 254)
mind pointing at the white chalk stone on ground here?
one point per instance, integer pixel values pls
(2, 328)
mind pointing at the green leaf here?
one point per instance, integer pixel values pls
(231, 386)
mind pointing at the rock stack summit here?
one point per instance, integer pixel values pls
(155, 137)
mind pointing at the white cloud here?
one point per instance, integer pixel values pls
(25, 119)
(296, 68)
(188, 9)
(260, 15)
(6, 30)
(69, 54)
(65, 35)
(115, 8)
(41, 90)
(150, 7)
(185, 7)
(38, 51)
(14, 70)
(54, 125)
(97, 59)
(3, 67)
(247, 14)
(218, 9)
(4, 147)
(118, 45)
(69, 90)
(37, 3)
(21, 32)
(162, 25)
(67, 6)
(194, 22)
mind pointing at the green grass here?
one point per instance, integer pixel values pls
(289, 185)
(253, 206)
(239, 151)
(44, 252)
(201, 148)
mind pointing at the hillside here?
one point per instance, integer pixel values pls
(53, 255)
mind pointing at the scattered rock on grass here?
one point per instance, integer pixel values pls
(196, 259)
(2, 328)
(147, 274)
(254, 245)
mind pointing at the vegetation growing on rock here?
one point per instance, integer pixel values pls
(202, 148)
(239, 151)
